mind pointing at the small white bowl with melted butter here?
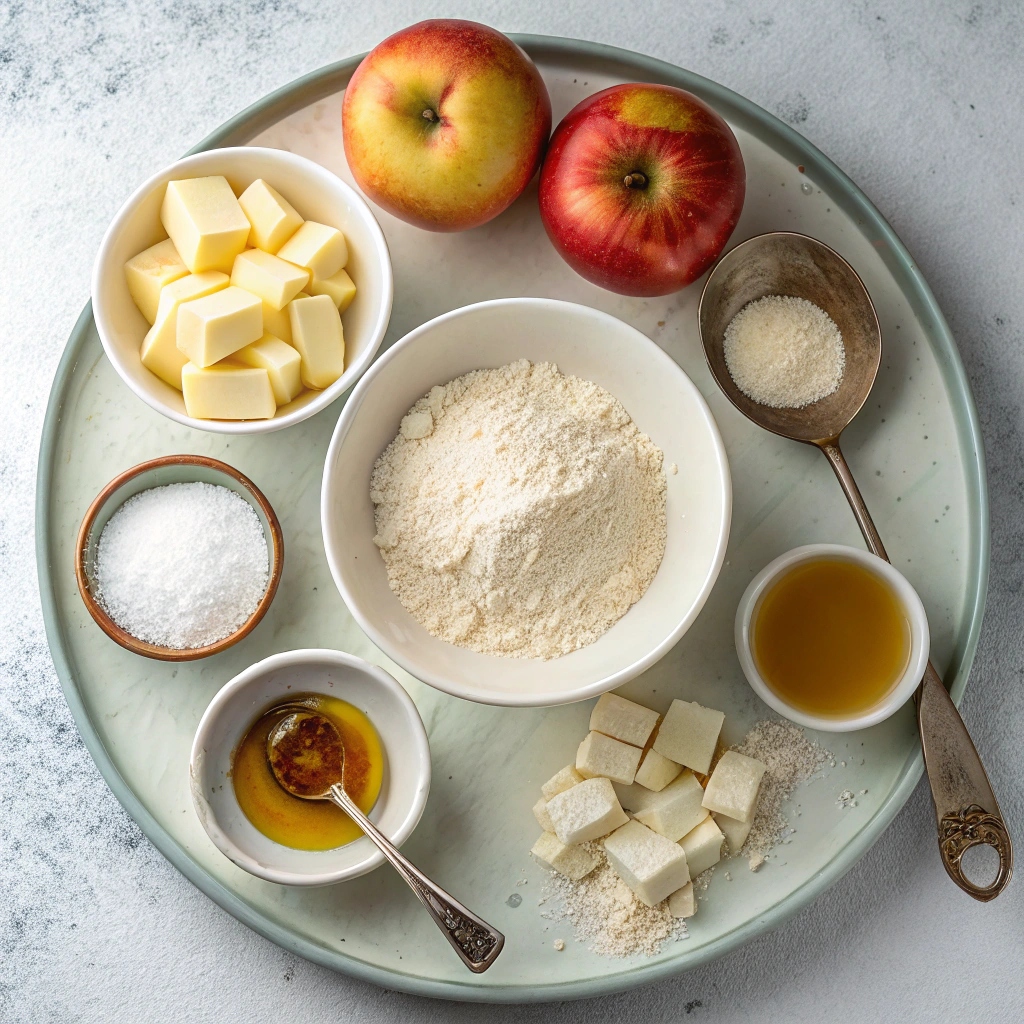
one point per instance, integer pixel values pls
(317, 195)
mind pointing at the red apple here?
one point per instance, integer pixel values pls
(445, 123)
(641, 188)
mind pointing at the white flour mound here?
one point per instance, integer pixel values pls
(519, 511)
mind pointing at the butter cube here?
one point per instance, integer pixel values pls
(676, 809)
(274, 280)
(734, 830)
(272, 217)
(205, 222)
(281, 361)
(540, 812)
(562, 780)
(732, 788)
(340, 287)
(227, 392)
(148, 272)
(572, 861)
(622, 719)
(213, 327)
(587, 811)
(318, 335)
(703, 846)
(656, 772)
(683, 902)
(320, 249)
(651, 865)
(600, 755)
(160, 353)
(689, 734)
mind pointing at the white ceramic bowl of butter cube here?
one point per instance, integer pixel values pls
(317, 195)
(663, 402)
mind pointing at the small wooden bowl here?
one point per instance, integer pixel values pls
(173, 469)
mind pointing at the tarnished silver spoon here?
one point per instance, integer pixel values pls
(784, 263)
(307, 756)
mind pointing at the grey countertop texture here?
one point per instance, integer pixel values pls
(921, 103)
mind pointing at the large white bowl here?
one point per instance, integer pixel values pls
(239, 703)
(318, 195)
(590, 344)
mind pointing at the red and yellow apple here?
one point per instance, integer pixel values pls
(445, 123)
(641, 188)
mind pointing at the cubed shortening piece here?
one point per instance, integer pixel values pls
(683, 903)
(205, 222)
(688, 735)
(732, 788)
(703, 846)
(676, 809)
(281, 361)
(587, 811)
(272, 217)
(160, 353)
(274, 280)
(734, 830)
(227, 392)
(148, 272)
(635, 797)
(320, 249)
(340, 287)
(648, 863)
(540, 812)
(656, 772)
(600, 755)
(211, 328)
(318, 335)
(622, 719)
(562, 780)
(572, 861)
(278, 322)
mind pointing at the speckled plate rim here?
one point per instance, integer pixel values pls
(900, 264)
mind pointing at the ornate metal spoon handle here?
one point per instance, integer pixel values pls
(965, 806)
(476, 942)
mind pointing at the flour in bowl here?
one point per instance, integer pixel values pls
(519, 511)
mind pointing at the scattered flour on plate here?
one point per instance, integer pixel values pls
(784, 352)
(519, 511)
(791, 758)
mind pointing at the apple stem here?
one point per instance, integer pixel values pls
(635, 180)
(429, 115)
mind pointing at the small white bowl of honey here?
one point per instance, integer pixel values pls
(279, 837)
(832, 637)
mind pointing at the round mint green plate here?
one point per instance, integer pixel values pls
(915, 449)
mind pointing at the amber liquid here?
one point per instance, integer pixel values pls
(831, 638)
(308, 824)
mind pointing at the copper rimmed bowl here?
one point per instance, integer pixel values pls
(173, 469)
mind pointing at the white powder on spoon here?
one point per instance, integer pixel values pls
(183, 565)
(784, 352)
(519, 511)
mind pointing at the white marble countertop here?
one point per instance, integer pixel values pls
(923, 105)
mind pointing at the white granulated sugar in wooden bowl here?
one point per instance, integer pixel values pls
(519, 511)
(784, 352)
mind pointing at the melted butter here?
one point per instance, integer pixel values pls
(831, 638)
(308, 824)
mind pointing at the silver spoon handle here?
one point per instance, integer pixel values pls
(476, 942)
(965, 806)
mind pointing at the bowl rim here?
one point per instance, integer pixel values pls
(156, 651)
(499, 698)
(249, 676)
(920, 637)
(352, 373)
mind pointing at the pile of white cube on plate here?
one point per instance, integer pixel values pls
(676, 825)
(244, 298)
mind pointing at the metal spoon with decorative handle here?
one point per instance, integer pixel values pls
(307, 756)
(784, 263)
